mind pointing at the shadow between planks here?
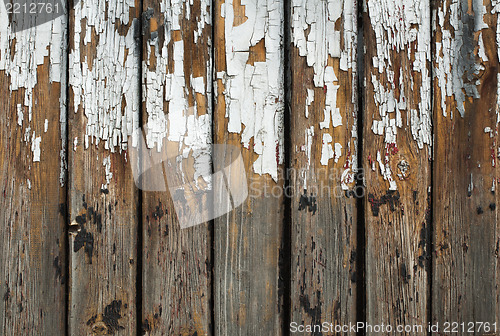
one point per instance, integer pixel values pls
(87, 252)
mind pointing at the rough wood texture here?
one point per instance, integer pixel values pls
(465, 277)
(396, 157)
(249, 115)
(32, 264)
(323, 161)
(177, 95)
(104, 100)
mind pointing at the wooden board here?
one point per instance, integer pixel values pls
(397, 139)
(104, 110)
(323, 150)
(248, 56)
(465, 274)
(33, 124)
(177, 99)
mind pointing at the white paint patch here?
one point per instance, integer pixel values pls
(35, 147)
(309, 100)
(385, 171)
(20, 115)
(327, 152)
(46, 126)
(482, 51)
(109, 175)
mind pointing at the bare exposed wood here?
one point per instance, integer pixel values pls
(177, 90)
(249, 115)
(396, 159)
(33, 258)
(323, 161)
(103, 112)
(465, 277)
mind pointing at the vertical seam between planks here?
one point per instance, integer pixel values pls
(430, 203)
(211, 226)
(140, 203)
(69, 5)
(285, 270)
(360, 201)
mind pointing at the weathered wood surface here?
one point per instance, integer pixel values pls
(235, 278)
(465, 276)
(32, 137)
(249, 100)
(104, 56)
(177, 82)
(397, 141)
(323, 149)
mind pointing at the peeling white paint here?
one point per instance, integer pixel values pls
(106, 87)
(385, 171)
(20, 115)
(187, 126)
(35, 147)
(456, 65)
(21, 54)
(254, 92)
(315, 35)
(46, 126)
(309, 100)
(108, 174)
(401, 27)
(327, 152)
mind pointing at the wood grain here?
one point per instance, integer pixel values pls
(176, 259)
(465, 274)
(103, 209)
(396, 159)
(323, 237)
(249, 115)
(33, 257)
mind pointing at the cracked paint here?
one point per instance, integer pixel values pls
(105, 87)
(254, 93)
(165, 83)
(401, 26)
(20, 55)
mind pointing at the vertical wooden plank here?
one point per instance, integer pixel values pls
(323, 162)
(104, 110)
(32, 147)
(465, 276)
(177, 127)
(248, 56)
(396, 157)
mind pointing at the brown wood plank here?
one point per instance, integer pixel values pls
(396, 159)
(33, 124)
(103, 112)
(465, 273)
(177, 104)
(248, 56)
(323, 74)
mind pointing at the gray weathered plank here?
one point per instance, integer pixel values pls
(248, 56)
(397, 141)
(177, 104)
(323, 149)
(465, 273)
(33, 123)
(104, 110)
